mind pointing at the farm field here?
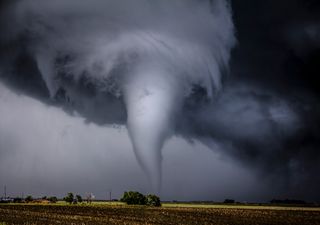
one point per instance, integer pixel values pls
(33, 214)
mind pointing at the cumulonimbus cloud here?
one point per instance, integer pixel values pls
(156, 66)
(147, 55)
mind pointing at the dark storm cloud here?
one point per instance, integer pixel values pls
(268, 114)
(268, 133)
(105, 60)
(277, 60)
(265, 116)
(276, 41)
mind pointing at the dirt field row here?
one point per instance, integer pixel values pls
(59, 214)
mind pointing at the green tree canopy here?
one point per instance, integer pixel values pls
(133, 198)
(53, 199)
(29, 198)
(79, 198)
(136, 198)
(153, 200)
(69, 198)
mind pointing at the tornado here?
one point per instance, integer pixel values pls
(141, 59)
(152, 103)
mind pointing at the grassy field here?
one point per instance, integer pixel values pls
(107, 213)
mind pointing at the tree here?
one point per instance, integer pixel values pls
(69, 198)
(79, 198)
(53, 199)
(133, 198)
(153, 200)
(229, 201)
(29, 198)
(17, 200)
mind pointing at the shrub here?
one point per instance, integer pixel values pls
(153, 200)
(136, 198)
(17, 200)
(68, 198)
(53, 199)
(29, 198)
(79, 198)
(133, 198)
(229, 201)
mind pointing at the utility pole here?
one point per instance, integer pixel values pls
(5, 191)
(110, 195)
